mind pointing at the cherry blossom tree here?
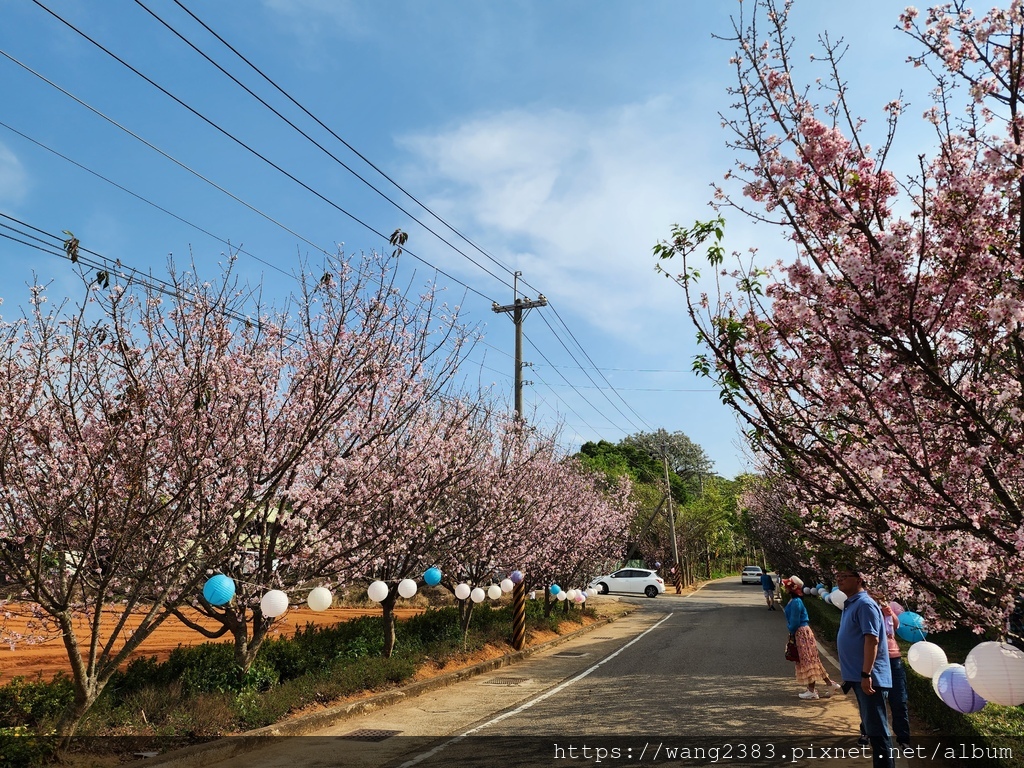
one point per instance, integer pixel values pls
(880, 372)
(421, 477)
(371, 358)
(138, 433)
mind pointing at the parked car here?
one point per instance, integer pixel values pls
(638, 581)
(751, 575)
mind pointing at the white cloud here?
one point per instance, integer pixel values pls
(310, 19)
(575, 200)
(14, 181)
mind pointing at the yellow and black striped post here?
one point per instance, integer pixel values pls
(519, 615)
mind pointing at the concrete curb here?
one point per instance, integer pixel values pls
(199, 755)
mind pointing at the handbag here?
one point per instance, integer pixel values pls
(792, 654)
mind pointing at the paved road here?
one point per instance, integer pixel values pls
(701, 672)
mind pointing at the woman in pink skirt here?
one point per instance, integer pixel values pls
(809, 668)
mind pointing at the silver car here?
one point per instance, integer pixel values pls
(638, 581)
(751, 575)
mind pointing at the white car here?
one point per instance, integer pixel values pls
(751, 575)
(639, 581)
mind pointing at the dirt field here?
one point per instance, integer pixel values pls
(50, 657)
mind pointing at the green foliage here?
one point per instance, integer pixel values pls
(21, 747)
(199, 693)
(32, 703)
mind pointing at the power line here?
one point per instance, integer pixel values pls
(303, 184)
(309, 138)
(349, 146)
(591, 361)
(603, 394)
(245, 146)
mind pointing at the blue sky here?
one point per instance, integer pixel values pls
(564, 138)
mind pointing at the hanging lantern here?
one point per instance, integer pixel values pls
(477, 595)
(926, 658)
(320, 599)
(494, 591)
(507, 585)
(377, 591)
(462, 591)
(432, 576)
(911, 627)
(516, 576)
(274, 603)
(996, 672)
(407, 588)
(955, 690)
(219, 589)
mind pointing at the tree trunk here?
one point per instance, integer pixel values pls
(465, 615)
(388, 607)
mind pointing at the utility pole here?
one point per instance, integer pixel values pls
(518, 310)
(672, 524)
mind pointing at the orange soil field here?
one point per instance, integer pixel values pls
(50, 657)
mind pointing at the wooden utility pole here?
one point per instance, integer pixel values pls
(518, 310)
(672, 525)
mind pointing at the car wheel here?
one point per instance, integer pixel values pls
(651, 590)
(602, 588)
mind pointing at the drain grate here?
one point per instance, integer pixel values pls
(369, 734)
(604, 638)
(569, 655)
(505, 681)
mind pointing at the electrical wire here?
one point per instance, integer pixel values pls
(313, 141)
(349, 146)
(310, 189)
(251, 150)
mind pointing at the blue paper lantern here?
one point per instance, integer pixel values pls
(911, 627)
(432, 576)
(555, 589)
(219, 589)
(516, 576)
(955, 690)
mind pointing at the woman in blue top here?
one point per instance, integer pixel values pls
(809, 668)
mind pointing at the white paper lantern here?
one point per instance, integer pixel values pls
(926, 658)
(570, 594)
(838, 598)
(507, 585)
(377, 591)
(561, 595)
(822, 592)
(477, 595)
(807, 590)
(274, 603)
(407, 588)
(494, 591)
(591, 591)
(935, 679)
(996, 672)
(320, 599)
(462, 591)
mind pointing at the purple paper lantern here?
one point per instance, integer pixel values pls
(516, 576)
(955, 690)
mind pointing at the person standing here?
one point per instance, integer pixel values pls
(809, 668)
(864, 662)
(768, 586)
(898, 692)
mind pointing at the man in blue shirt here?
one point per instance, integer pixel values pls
(768, 585)
(864, 661)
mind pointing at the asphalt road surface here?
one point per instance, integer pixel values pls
(699, 679)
